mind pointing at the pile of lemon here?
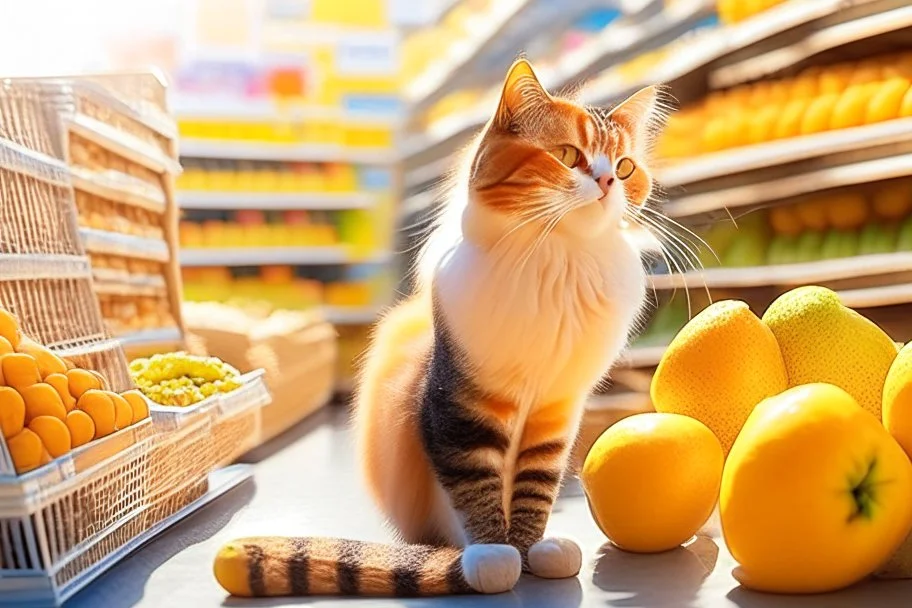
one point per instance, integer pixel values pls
(797, 424)
(817, 99)
(733, 11)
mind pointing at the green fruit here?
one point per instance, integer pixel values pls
(849, 245)
(808, 247)
(778, 245)
(719, 237)
(831, 248)
(748, 250)
(876, 238)
(904, 238)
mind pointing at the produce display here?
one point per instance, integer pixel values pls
(181, 379)
(127, 313)
(93, 159)
(105, 214)
(810, 404)
(733, 11)
(255, 228)
(49, 407)
(819, 98)
(276, 177)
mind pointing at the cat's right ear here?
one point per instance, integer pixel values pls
(521, 92)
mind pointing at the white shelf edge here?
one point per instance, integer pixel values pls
(261, 256)
(188, 199)
(123, 144)
(115, 243)
(145, 337)
(781, 152)
(788, 274)
(243, 150)
(98, 186)
(354, 315)
(792, 185)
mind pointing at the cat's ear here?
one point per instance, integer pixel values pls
(521, 92)
(642, 114)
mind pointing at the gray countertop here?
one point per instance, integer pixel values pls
(305, 484)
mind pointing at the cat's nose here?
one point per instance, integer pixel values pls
(604, 181)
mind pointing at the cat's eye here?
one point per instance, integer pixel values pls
(624, 168)
(568, 156)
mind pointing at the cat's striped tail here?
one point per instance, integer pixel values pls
(278, 566)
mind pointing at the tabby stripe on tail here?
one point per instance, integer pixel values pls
(276, 566)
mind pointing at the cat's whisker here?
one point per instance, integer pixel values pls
(677, 224)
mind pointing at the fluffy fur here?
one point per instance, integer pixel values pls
(472, 390)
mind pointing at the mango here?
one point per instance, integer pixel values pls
(823, 341)
(5, 347)
(123, 413)
(26, 450)
(48, 362)
(12, 411)
(42, 400)
(62, 386)
(9, 328)
(138, 405)
(82, 380)
(54, 434)
(81, 427)
(100, 408)
(19, 370)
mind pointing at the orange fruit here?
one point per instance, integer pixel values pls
(19, 370)
(887, 101)
(12, 411)
(48, 362)
(123, 413)
(812, 214)
(54, 434)
(62, 386)
(905, 109)
(652, 480)
(818, 115)
(138, 405)
(9, 328)
(784, 220)
(893, 201)
(42, 400)
(81, 427)
(26, 450)
(5, 347)
(847, 210)
(834, 79)
(762, 125)
(726, 347)
(815, 493)
(715, 136)
(81, 380)
(100, 408)
(789, 123)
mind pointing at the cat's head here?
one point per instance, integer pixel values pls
(551, 164)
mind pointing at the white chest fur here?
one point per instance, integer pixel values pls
(550, 329)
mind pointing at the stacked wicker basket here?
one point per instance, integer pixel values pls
(63, 523)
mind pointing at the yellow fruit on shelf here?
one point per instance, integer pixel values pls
(823, 341)
(5, 347)
(54, 434)
(897, 399)
(818, 115)
(815, 493)
(905, 109)
(26, 450)
(789, 123)
(886, 103)
(852, 107)
(715, 136)
(101, 409)
(12, 411)
(868, 72)
(48, 363)
(846, 211)
(61, 384)
(138, 405)
(9, 328)
(123, 413)
(651, 480)
(718, 367)
(82, 380)
(762, 125)
(81, 427)
(19, 370)
(42, 400)
(834, 79)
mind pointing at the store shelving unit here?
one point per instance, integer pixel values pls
(326, 201)
(262, 256)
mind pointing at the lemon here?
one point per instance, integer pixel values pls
(897, 399)
(652, 480)
(718, 367)
(823, 341)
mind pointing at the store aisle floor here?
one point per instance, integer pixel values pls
(306, 484)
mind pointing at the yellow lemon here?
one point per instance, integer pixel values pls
(718, 367)
(652, 480)
(897, 399)
(823, 341)
(815, 493)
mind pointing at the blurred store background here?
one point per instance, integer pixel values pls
(311, 134)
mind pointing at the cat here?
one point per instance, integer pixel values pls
(473, 389)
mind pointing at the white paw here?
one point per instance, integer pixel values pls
(491, 568)
(555, 558)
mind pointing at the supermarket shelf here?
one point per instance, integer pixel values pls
(128, 289)
(34, 266)
(630, 401)
(150, 337)
(123, 144)
(793, 185)
(789, 274)
(274, 200)
(256, 256)
(104, 186)
(642, 356)
(268, 111)
(433, 83)
(245, 150)
(874, 297)
(354, 315)
(783, 152)
(828, 38)
(127, 245)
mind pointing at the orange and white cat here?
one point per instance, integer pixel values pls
(473, 389)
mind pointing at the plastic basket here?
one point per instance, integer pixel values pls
(51, 516)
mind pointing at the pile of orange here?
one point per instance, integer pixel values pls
(816, 99)
(49, 407)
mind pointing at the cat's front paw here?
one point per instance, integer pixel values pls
(555, 558)
(491, 568)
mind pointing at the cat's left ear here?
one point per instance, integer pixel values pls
(642, 112)
(522, 91)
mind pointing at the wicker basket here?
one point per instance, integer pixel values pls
(237, 420)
